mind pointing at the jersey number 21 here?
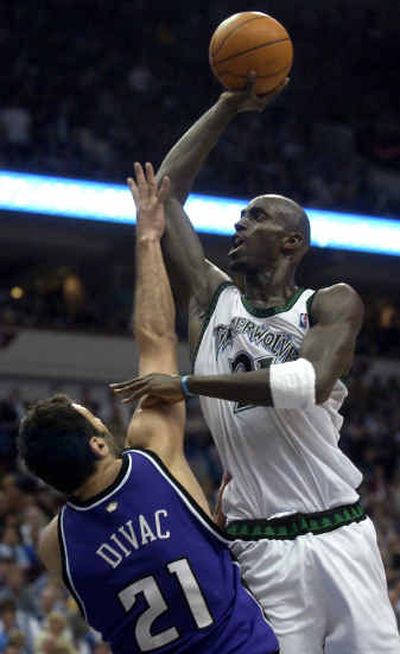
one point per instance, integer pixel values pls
(148, 586)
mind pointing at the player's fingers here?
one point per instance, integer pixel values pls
(140, 176)
(130, 381)
(150, 176)
(131, 386)
(135, 394)
(133, 188)
(129, 389)
(128, 400)
(119, 392)
(119, 385)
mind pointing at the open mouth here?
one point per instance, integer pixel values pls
(237, 242)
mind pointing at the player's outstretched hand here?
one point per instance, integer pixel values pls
(156, 386)
(248, 100)
(149, 200)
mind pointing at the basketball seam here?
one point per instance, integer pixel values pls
(243, 52)
(233, 31)
(244, 76)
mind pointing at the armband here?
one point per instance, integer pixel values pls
(292, 384)
(185, 388)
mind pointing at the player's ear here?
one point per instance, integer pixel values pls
(292, 243)
(99, 446)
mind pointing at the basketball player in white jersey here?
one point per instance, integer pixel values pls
(306, 548)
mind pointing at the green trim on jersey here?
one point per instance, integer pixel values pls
(207, 318)
(271, 311)
(298, 524)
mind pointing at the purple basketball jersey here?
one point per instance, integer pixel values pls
(152, 572)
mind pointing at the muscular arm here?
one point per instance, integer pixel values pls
(161, 426)
(187, 156)
(328, 346)
(326, 354)
(193, 278)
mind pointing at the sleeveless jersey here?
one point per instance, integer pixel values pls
(281, 460)
(151, 572)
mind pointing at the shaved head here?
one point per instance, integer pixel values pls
(291, 216)
(271, 228)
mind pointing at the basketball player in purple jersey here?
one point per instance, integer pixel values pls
(135, 543)
(305, 545)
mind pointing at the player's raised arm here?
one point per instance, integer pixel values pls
(326, 354)
(187, 156)
(159, 426)
(192, 276)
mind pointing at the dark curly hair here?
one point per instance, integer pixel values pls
(54, 440)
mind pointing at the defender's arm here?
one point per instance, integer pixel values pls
(49, 550)
(158, 426)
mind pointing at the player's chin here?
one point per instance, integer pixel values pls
(237, 265)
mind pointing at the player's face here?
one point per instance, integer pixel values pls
(257, 238)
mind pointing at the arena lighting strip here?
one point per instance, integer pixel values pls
(74, 198)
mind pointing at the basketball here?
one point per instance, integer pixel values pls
(251, 41)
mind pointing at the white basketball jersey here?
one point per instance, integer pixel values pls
(281, 460)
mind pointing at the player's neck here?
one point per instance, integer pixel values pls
(270, 288)
(107, 471)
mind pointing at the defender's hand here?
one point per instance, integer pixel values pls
(248, 100)
(149, 200)
(165, 388)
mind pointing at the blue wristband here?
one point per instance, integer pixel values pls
(184, 386)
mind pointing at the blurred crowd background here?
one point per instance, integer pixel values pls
(58, 299)
(91, 86)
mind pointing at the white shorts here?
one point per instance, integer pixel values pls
(324, 594)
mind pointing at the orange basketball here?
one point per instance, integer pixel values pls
(251, 41)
